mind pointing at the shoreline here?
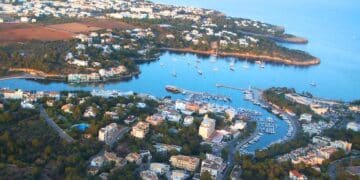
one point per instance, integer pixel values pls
(248, 56)
(33, 74)
(282, 39)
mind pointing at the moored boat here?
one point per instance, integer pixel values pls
(172, 89)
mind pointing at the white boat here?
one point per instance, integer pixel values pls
(161, 64)
(232, 68)
(174, 74)
(216, 69)
(262, 65)
(199, 72)
(313, 84)
(245, 66)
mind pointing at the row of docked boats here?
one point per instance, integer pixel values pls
(197, 95)
(267, 126)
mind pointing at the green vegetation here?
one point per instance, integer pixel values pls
(345, 135)
(274, 150)
(265, 46)
(29, 149)
(268, 169)
(356, 102)
(49, 57)
(123, 106)
(277, 97)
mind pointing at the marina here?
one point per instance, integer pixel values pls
(197, 95)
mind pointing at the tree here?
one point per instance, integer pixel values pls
(205, 176)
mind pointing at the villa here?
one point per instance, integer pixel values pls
(185, 162)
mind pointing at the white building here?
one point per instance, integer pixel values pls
(140, 130)
(342, 145)
(305, 117)
(353, 126)
(9, 94)
(160, 168)
(108, 133)
(97, 161)
(324, 141)
(214, 165)
(178, 175)
(188, 120)
(207, 127)
(27, 105)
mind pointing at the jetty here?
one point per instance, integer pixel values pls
(219, 85)
(198, 95)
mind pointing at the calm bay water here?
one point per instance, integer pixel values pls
(331, 27)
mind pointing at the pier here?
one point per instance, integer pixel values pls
(199, 95)
(229, 87)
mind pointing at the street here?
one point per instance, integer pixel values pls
(52, 124)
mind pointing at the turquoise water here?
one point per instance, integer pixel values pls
(332, 28)
(81, 127)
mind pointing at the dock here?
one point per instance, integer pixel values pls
(229, 87)
(200, 95)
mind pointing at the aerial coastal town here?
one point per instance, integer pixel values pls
(141, 136)
(98, 133)
(92, 41)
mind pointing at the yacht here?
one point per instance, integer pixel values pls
(245, 66)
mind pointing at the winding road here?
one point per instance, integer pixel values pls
(52, 124)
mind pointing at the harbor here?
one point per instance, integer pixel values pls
(195, 87)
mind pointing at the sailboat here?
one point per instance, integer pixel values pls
(262, 65)
(174, 74)
(232, 66)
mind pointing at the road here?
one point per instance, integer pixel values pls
(52, 124)
(234, 147)
(119, 136)
(332, 166)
